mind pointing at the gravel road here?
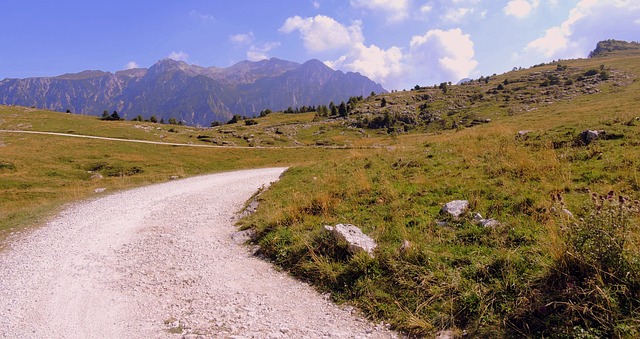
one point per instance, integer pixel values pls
(160, 262)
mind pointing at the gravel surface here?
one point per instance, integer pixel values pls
(160, 262)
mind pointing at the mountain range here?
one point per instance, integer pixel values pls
(192, 94)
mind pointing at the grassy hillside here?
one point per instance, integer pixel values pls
(509, 144)
(540, 272)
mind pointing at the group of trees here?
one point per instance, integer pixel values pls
(153, 119)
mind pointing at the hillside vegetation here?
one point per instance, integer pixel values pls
(563, 260)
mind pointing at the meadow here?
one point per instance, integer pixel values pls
(540, 272)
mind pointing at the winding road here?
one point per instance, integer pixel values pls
(160, 262)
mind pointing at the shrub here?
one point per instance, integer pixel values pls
(591, 72)
(5, 165)
(592, 286)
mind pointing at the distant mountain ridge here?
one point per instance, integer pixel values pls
(193, 94)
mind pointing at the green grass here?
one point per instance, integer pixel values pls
(490, 282)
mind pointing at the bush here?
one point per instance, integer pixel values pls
(5, 165)
(591, 72)
(592, 287)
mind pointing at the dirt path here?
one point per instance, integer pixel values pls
(159, 262)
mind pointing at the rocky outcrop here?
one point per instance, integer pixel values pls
(354, 237)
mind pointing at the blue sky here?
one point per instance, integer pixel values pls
(399, 43)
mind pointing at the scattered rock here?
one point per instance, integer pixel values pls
(97, 176)
(446, 334)
(242, 237)
(455, 208)
(251, 208)
(523, 134)
(477, 217)
(406, 245)
(567, 213)
(99, 190)
(174, 177)
(357, 240)
(589, 136)
(488, 223)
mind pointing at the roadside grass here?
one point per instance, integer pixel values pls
(39, 173)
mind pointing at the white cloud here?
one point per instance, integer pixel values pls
(322, 33)
(316, 5)
(457, 14)
(440, 56)
(203, 17)
(426, 8)
(178, 56)
(242, 38)
(397, 10)
(256, 53)
(521, 8)
(588, 22)
(131, 65)
(372, 61)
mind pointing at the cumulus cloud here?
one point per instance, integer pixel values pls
(242, 38)
(436, 56)
(260, 52)
(131, 65)
(255, 52)
(588, 22)
(521, 8)
(440, 56)
(457, 14)
(178, 56)
(322, 33)
(372, 61)
(397, 10)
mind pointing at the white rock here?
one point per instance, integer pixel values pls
(455, 208)
(357, 240)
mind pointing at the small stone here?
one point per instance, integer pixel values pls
(489, 223)
(567, 213)
(99, 190)
(406, 245)
(174, 177)
(97, 176)
(455, 208)
(447, 334)
(477, 217)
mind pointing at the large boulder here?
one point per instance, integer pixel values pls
(455, 208)
(353, 236)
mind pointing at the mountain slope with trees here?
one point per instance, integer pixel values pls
(191, 94)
